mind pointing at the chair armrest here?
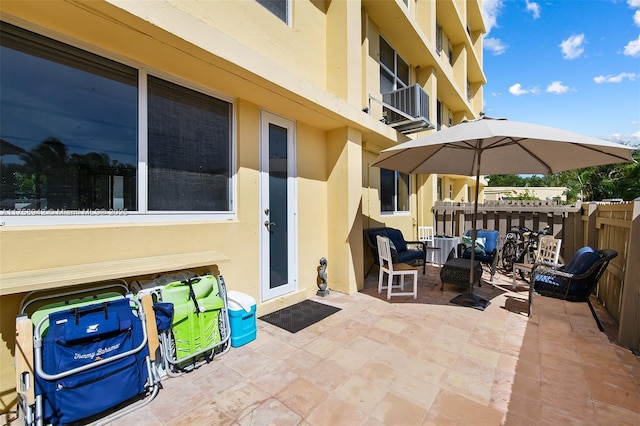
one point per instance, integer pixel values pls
(548, 264)
(421, 244)
(549, 268)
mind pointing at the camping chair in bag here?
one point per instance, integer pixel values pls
(199, 325)
(83, 355)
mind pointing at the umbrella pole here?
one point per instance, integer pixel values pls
(470, 299)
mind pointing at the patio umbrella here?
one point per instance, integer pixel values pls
(499, 146)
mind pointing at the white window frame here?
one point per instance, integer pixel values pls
(395, 210)
(142, 215)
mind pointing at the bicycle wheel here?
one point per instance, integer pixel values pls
(508, 254)
(528, 256)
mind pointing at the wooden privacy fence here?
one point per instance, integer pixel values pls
(600, 225)
(564, 221)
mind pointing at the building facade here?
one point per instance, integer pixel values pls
(137, 130)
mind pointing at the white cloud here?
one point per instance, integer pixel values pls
(635, 4)
(557, 87)
(495, 45)
(490, 11)
(572, 47)
(633, 48)
(630, 139)
(534, 8)
(616, 78)
(517, 90)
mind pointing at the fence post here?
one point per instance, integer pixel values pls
(629, 328)
(591, 225)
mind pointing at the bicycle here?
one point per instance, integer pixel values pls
(520, 246)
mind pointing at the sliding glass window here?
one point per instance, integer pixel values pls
(68, 126)
(70, 135)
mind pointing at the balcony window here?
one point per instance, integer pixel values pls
(394, 191)
(438, 39)
(71, 140)
(394, 71)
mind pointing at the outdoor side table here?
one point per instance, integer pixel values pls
(446, 244)
(456, 271)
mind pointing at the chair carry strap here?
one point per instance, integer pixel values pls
(192, 294)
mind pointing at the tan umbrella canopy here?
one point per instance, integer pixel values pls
(499, 146)
(505, 147)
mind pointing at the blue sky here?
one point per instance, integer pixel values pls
(571, 64)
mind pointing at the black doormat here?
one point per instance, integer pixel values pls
(301, 315)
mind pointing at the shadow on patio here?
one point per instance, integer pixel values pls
(414, 363)
(553, 368)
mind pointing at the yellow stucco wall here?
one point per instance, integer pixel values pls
(308, 72)
(34, 247)
(303, 54)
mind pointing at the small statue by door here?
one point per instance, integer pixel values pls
(322, 278)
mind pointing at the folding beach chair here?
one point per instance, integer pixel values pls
(83, 355)
(199, 326)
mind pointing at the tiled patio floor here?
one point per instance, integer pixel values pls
(413, 363)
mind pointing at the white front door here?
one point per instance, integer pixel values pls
(278, 224)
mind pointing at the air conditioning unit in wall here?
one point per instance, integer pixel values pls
(407, 109)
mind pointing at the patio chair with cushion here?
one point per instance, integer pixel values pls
(574, 281)
(387, 267)
(402, 251)
(487, 248)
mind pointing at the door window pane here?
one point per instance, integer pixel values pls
(68, 126)
(278, 240)
(189, 143)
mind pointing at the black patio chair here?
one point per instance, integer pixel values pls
(487, 254)
(574, 281)
(402, 251)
